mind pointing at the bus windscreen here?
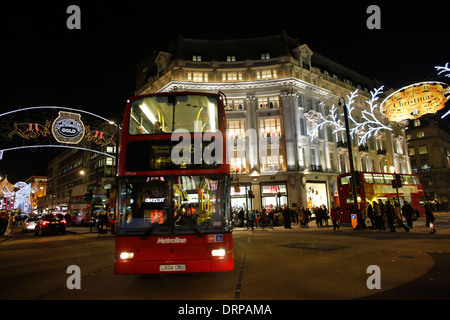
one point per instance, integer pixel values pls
(174, 205)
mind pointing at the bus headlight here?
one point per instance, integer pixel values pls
(125, 255)
(218, 253)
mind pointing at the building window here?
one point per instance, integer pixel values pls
(231, 58)
(302, 157)
(265, 56)
(420, 134)
(197, 58)
(331, 157)
(198, 76)
(269, 102)
(231, 76)
(422, 149)
(266, 74)
(236, 138)
(272, 159)
(399, 145)
(235, 105)
(416, 123)
(343, 160)
(411, 151)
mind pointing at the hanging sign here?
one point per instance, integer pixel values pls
(416, 100)
(68, 128)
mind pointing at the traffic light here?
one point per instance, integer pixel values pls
(398, 180)
(358, 181)
(250, 194)
(88, 196)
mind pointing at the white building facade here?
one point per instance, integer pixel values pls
(279, 90)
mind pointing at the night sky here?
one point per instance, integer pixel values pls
(42, 62)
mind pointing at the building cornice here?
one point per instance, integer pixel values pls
(290, 82)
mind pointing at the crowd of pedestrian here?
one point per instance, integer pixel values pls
(383, 216)
(281, 216)
(376, 215)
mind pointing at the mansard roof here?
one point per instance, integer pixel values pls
(242, 49)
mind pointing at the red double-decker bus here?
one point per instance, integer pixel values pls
(174, 195)
(83, 210)
(372, 186)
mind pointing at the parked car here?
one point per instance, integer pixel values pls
(29, 224)
(50, 223)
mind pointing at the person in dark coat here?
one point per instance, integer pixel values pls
(102, 221)
(287, 218)
(408, 211)
(430, 218)
(390, 215)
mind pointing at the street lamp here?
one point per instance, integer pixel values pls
(350, 155)
(116, 179)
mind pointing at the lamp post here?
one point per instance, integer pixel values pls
(116, 179)
(350, 156)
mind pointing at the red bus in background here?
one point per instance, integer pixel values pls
(174, 186)
(83, 210)
(372, 186)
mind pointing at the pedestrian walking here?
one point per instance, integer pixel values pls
(271, 217)
(307, 217)
(429, 218)
(390, 216)
(3, 224)
(251, 220)
(10, 227)
(398, 214)
(335, 217)
(383, 214)
(287, 218)
(408, 212)
(319, 216)
(262, 219)
(377, 215)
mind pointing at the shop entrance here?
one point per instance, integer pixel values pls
(316, 194)
(240, 199)
(274, 195)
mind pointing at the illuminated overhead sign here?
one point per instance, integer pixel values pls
(68, 128)
(416, 100)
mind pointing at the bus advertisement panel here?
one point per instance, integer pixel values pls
(174, 197)
(374, 186)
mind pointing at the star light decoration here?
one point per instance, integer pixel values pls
(370, 125)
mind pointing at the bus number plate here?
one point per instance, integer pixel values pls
(172, 267)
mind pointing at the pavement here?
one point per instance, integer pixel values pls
(88, 230)
(442, 225)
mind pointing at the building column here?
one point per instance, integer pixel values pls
(289, 123)
(252, 134)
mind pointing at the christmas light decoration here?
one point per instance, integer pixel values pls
(370, 125)
(444, 69)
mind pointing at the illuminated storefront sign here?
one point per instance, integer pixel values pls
(416, 100)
